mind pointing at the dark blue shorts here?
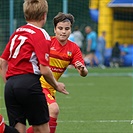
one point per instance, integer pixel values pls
(92, 52)
(25, 100)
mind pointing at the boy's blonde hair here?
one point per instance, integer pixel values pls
(34, 9)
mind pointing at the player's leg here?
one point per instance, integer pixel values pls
(52, 125)
(53, 111)
(37, 109)
(90, 56)
(20, 127)
(13, 109)
(87, 59)
(5, 128)
(95, 59)
(31, 101)
(41, 128)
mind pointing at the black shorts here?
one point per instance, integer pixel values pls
(25, 100)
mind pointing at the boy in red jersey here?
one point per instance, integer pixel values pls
(24, 60)
(62, 53)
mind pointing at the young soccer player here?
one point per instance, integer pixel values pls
(24, 60)
(63, 52)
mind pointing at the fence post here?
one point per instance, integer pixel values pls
(11, 16)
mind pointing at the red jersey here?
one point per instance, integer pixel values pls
(28, 47)
(60, 58)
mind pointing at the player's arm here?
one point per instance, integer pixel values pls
(3, 68)
(81, 68)
(78, 61)
(48, 76)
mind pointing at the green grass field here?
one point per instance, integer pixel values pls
(98, 103)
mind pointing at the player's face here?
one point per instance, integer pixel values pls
(62, 31)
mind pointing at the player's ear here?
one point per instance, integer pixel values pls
(54, 30)
(44, 17)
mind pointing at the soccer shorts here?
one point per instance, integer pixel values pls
(25, 100)
(50, 99)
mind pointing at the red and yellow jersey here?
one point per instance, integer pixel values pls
(60, 58)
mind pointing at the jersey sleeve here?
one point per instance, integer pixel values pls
(77, 56)
(42, 51)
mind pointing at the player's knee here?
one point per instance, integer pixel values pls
(54, 109)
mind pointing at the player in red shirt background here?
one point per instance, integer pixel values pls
(62, 53)
(24, 60)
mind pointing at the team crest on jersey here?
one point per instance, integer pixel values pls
(47, 56)
(69, 53)
(53, 48)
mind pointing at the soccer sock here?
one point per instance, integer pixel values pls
(30, 130)
(52, 124)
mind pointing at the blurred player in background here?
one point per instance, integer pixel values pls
(24, 60)
(63, 52)
(78, 37)
(91, 45)
(101, 47)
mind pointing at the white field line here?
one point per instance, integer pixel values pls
(103, 74)
(80, 84)
(92, 121)
(98, 121)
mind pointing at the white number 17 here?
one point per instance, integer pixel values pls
(16, 52)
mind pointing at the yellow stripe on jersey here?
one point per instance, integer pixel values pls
(58, 63)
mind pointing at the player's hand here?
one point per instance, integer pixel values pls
(61, 88)
(81, 68)
(79, 65)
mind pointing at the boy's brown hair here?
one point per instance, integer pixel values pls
(62, 17)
